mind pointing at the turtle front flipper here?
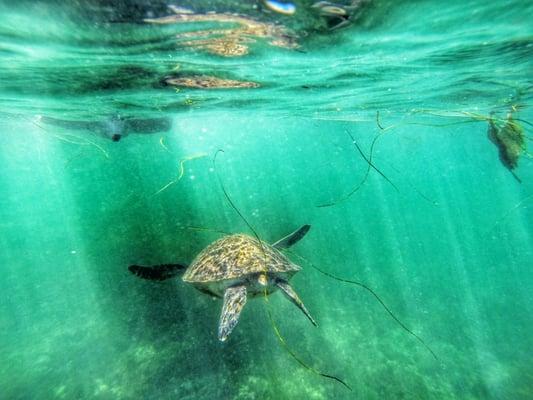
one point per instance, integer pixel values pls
(292, 296)
(291, 238)
(156, 272)
(234, 301)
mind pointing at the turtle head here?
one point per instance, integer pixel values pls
(114, 128)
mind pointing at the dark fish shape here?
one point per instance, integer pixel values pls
(114, 127)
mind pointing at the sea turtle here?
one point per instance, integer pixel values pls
(234, 268)
(114, 127)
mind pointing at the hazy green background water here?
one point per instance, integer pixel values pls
(450, 251)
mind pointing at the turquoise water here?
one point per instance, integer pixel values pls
(447, 244)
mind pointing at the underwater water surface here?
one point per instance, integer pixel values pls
(375, 133)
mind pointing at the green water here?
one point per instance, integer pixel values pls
(448, 245)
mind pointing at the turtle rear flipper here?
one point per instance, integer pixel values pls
(292, 238)
(292, 296)
(156, 272)
(234, 301)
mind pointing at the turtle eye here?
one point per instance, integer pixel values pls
(116, 137)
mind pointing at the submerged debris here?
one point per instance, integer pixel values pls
(208, 82)
(509, 139)
(230, 42)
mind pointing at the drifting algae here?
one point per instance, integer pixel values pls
(509, 139)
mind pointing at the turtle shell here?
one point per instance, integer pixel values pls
(236, 256)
